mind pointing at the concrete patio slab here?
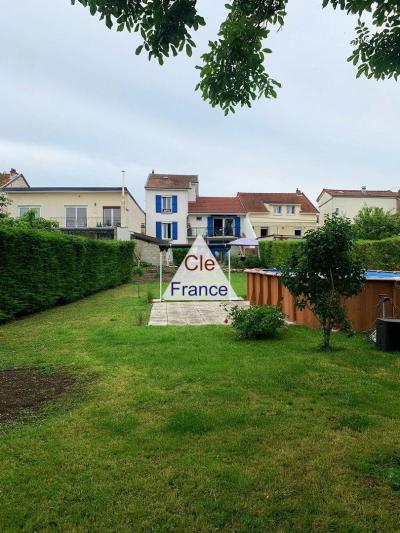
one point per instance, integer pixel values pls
(191, 313)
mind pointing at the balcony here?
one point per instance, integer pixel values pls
(221, 233)
(86, 222)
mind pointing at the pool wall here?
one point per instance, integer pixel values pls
(265, 288)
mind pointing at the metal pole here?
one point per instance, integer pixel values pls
(229, 273)
(160, 275)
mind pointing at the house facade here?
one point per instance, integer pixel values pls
(348, 202)
(279, 215)
(175, 212)
(79, 209)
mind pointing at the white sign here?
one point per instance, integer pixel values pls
(199, 277)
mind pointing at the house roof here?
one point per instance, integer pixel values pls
(170, 181)
(216, 204)
(6, 178)
(28, 190)
(254, 202)
(359, 193)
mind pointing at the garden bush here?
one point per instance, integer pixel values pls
(39, 269)
(383, 254)
(256, 322)
(251, 261)
(274, 254)
(179, 255)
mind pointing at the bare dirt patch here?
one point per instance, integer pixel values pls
(24, 391)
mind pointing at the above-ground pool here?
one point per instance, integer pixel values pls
(265, 288)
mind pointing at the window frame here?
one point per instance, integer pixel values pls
(277, 210)
(164, 225)
(264, 228)
(166, 209)
(112, 207)
(290, 209)
(28, 207)
(300, 230)
(76, 207)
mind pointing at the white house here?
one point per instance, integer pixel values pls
(348, 202)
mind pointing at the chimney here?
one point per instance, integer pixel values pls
(298, 191)
(364, 189)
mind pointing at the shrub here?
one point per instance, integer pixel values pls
(256, 322)
(274, 254)
(375, 223)
(381, 254)
(179, 255)
(39, 269)
(149, 296)
(251, 261)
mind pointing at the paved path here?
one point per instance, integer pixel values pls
(190, 313)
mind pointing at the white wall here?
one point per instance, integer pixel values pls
(350, 207)
(180, 217)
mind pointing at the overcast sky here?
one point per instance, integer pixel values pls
(77, 106)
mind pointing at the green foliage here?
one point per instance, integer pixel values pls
(375, 223)
(251, 261)
(274, 254)
(29, 220)
(39, 269)
(323, 271)
(233, 72)
(381, 254)
(256, 322)
(179, 255)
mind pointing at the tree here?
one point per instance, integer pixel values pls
(4, 202)
(323, 272)
(375, 223)
(29, 220)
(233, 70)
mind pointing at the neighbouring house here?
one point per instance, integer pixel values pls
(175, 212)
(109, 212)
(12, 179)
(279, 215)
(348, 202)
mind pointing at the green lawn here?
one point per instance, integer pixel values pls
(188, 429)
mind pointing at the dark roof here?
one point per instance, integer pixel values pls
(170, 181)
(216, 204)
(359, 193)
(253, 202)
(148, 238)
(70, 189)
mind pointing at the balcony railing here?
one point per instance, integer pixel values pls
(86, 222)
(195, 232)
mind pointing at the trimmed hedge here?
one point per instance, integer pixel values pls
(383, 254)
(39, 269)
(274, 254)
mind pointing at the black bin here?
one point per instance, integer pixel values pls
(388, 334)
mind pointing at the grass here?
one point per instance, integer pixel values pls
(188, 429)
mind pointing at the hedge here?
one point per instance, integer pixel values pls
(383, 254)
(39, 269)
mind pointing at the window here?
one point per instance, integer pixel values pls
(223, 227)
(199, 218)
(111, 216)
(166, 231)
(166, 204)
(297, 232)
(76, 216)
(263, 232)
(25, 208)
(277, 209)
(290, 209)
(228, 227)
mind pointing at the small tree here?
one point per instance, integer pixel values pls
(4, 202)
(29, 220)
(323, 272)
(375, 223)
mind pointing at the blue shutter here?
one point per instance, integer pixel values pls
(210, 226)
(174, 204)
(237, 226)
(158, 203)
(174, 231)
(158, 230)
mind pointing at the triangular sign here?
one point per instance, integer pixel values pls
(199, 277)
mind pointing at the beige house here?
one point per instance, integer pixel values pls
(77, 209)
(279, 215)
(348, 202)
